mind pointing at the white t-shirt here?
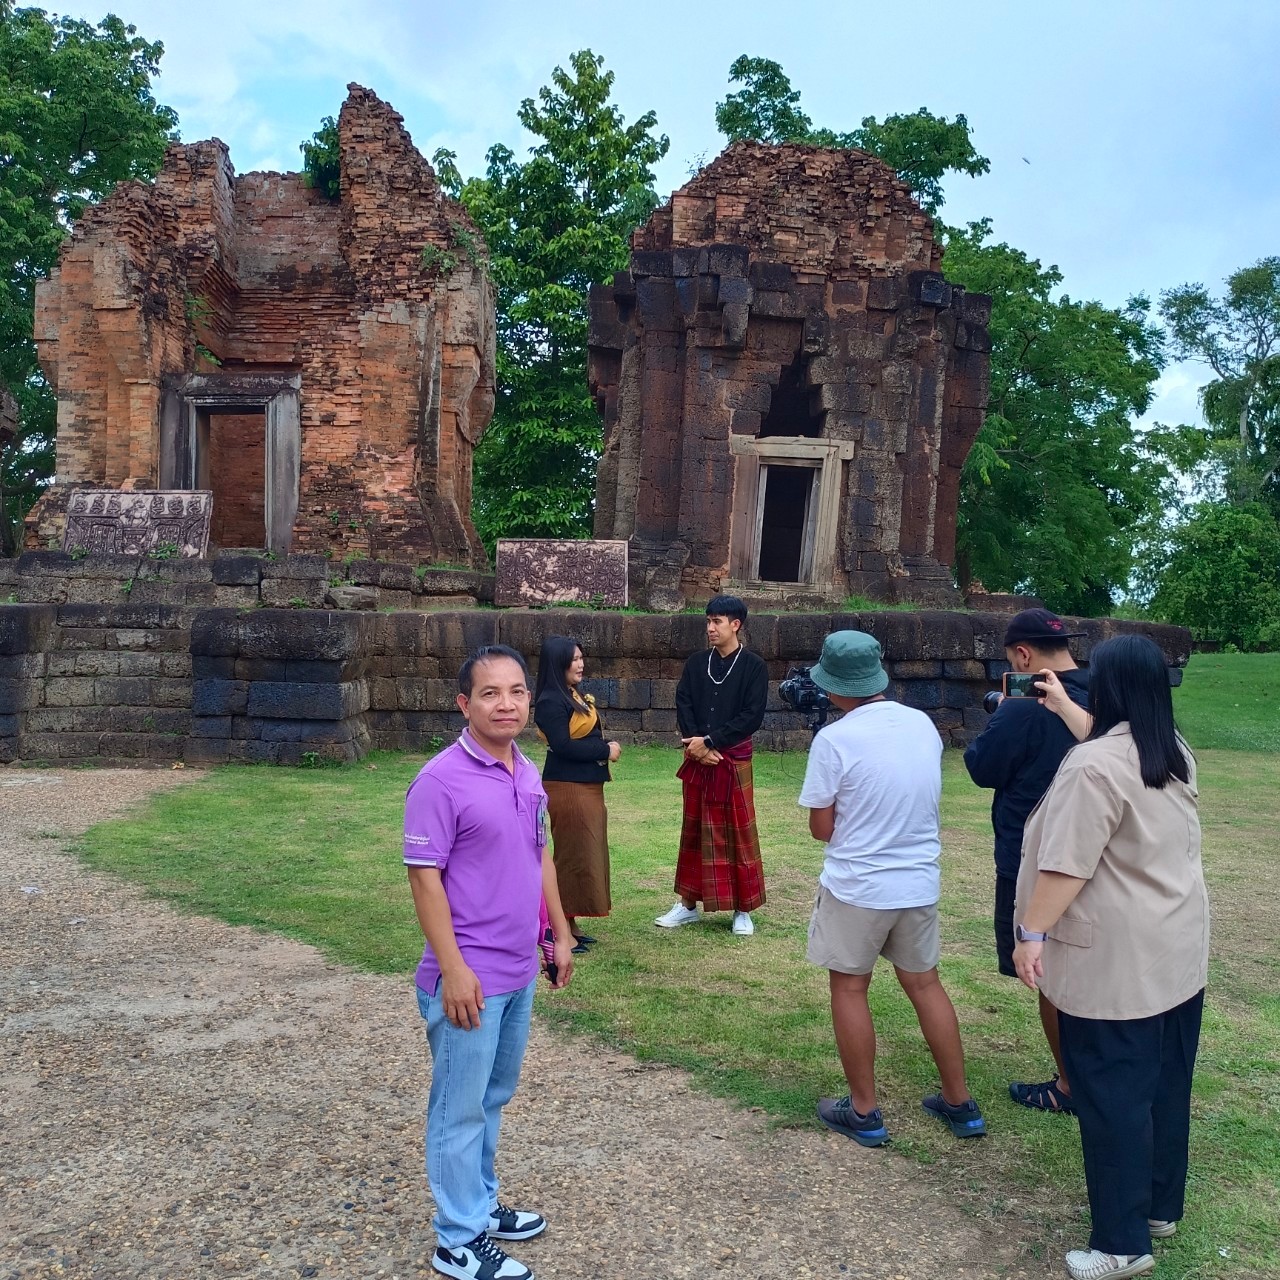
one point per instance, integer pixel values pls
(881, 765)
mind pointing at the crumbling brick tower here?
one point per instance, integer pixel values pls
(789, 386)
(303, 358)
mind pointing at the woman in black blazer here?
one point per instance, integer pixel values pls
(576, 769)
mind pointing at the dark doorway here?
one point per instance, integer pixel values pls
(231, 461)
(785, 512)
(789, 413)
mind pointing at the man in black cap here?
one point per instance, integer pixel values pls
(1017, 754)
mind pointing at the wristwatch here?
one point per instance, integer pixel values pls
(706, 742)
(1028, 935)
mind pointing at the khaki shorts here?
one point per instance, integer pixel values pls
(849, 939)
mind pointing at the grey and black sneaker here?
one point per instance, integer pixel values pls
(839, 1115)
(506, 1223)
(964, 1119)
(481, 1259)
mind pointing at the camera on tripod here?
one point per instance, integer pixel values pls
(800, 693)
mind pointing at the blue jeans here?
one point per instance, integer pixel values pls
(473, 1076)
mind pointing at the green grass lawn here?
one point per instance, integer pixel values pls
(316, 854)
(1231, 700)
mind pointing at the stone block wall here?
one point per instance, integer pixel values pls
(235, 581)
(166, 683)
(941, 662)
(25, 636)
(98, 681)
(275, 686)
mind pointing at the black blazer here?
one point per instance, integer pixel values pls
(569, 759)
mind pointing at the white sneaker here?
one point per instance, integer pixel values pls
(742, 925)
(506, 1223)
(678, 915)
(1093, 1264)
(1160, 1229)
(479, 1260)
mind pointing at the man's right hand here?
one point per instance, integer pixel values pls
(463, 998)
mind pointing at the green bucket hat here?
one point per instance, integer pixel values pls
(850, 665)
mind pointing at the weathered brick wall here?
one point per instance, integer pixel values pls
(786, 291)
(203, 272)
(238, 479)
(204, 685)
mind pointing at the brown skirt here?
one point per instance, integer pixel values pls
(580, 840)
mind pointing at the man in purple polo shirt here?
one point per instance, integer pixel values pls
(475, 837)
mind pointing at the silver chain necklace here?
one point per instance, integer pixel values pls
(736, 654)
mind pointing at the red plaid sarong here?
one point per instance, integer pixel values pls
(719, 862)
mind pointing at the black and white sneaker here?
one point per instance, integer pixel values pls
(479, 1260)
(506, 1223)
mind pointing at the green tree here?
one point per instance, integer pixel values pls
(1238, 337)
(321, 160)
(1059, 487)
(76, 116)
(1220, 576)
(921, 147)
(554, 224)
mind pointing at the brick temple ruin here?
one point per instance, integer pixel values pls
(325, 368)
(789, 386)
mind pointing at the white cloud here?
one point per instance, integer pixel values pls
(1177, 396)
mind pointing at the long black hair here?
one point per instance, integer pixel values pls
(1128, 681)
(553, 664)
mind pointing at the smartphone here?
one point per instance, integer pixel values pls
(1020, 684)
(553, 972)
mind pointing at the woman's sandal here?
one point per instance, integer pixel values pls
(1042, 1097)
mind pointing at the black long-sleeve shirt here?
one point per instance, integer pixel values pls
(1018, 753)
(569, 759)
(727, 713)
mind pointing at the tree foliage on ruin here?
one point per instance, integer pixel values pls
(77, 116)
(322, 160)
(921, 147)
(554, 223)
(1060, 487)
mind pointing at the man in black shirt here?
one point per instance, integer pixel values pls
(720, 703)
(1018, 754)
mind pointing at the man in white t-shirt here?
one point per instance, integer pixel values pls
(872, 787)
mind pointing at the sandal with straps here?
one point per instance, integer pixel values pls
(1045, 1096)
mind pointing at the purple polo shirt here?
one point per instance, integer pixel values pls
(484, 829)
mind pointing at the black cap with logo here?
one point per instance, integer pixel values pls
(1032, 625)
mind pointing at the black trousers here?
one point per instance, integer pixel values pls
(1006, 892)
(1131, 1086)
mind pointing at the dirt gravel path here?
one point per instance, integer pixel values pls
(180, 1098)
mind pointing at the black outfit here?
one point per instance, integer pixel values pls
(728, 713)
(569, 759)
(1018, 753)
(1131, 1088)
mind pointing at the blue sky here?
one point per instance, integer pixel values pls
(1134, 144)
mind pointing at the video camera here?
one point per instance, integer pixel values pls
(800, 693)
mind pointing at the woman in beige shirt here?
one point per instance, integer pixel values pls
(1112, 922)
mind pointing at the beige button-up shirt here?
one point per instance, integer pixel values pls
(1135, 942)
